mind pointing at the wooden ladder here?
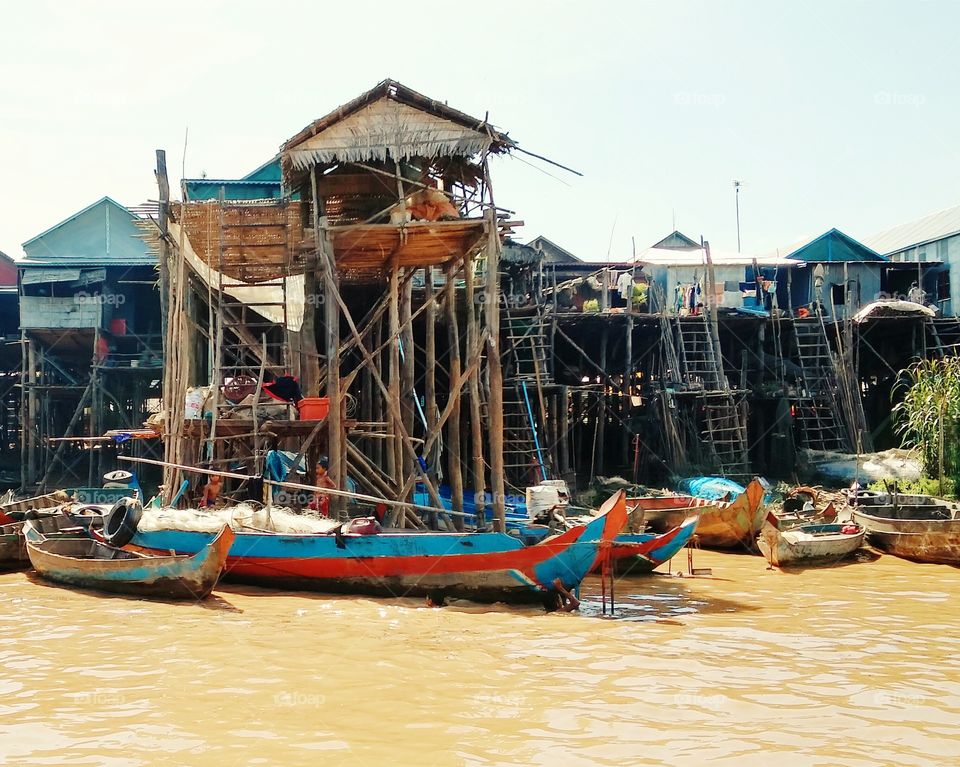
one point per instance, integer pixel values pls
(724, 430)
(527, 369)
(817, 409)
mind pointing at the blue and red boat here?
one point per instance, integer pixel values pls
(486, 567)
(636, 553)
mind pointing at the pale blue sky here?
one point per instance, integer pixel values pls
(833, 113)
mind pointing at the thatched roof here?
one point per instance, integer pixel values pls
(389, 120)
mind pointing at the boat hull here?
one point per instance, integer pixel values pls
(13, 549)
(641, 553)
(920, 540)
(73, 561)
(722, 525)
(486, 567)
(808, 544)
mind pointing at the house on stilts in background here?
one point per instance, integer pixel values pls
(91, 323)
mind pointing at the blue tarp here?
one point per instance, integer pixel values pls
(711, 488)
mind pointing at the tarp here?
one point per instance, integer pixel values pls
(893, 308)
(711, 488)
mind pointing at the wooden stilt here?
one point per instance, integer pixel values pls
(393, 335)
(430, 366)
(454, 473)
(476, 423)
(495, 373)
(409, 356)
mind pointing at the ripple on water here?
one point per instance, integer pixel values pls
(849, 666)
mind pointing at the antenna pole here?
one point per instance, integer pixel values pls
(736, 187)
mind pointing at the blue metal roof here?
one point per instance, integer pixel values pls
(269, 171)
(263, 183)
(102, 234)
(834, 246)
(233, 189)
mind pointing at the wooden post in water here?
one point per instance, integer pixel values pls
(409, 355)
(495, 373)
(430, 365)
(454, 471)
(393, 336)
(476, 426)
(335, 436)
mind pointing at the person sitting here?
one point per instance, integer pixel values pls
(211, 492)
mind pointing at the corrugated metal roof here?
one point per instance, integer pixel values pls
(103, 233)
(698, 257)
(829, 247)
(929, 228)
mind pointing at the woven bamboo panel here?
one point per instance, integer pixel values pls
(252, 242)
(373, 246)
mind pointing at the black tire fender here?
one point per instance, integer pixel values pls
(120, 523)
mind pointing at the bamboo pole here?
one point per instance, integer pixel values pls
(335, 415)
(495, 373)
(476, 424)
(394, 410)
(430, 364)
(454, 474)
(409, 356)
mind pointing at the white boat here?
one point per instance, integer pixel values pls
(817, 543)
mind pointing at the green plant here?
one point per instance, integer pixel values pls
(591, 305)
(921, 486)
(928, 416)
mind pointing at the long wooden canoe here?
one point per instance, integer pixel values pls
(88, 563)
(485, 567)
(723, 525)
(922, 533)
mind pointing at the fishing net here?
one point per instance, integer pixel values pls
(241, 518)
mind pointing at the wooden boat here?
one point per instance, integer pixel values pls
(640, 553)
(722, 525)
(809, 544)
(485, 567)
(89, 563)
(15, 510)
(13, 550)
(922, 532)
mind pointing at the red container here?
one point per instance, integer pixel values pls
(313, 408)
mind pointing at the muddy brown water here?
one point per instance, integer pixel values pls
(855, 665)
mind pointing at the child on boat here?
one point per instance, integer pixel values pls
(321, 501)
